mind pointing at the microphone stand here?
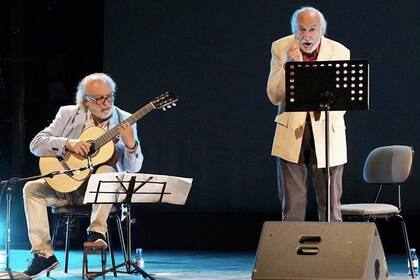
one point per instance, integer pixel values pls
(8, 186)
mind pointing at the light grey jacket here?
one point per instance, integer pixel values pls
(69, 124)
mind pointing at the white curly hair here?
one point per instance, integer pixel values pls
(294, 23)
(81, 87)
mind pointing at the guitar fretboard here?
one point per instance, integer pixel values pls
(113, 132)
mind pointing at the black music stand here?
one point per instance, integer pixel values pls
(141, 188)
(336, 85)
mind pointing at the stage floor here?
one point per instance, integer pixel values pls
(179, 265)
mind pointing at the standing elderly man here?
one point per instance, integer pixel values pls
(94, 107)
(299, 140)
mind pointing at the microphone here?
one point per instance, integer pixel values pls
(68, 171)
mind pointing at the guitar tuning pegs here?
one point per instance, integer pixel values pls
(169, 106)
(174, 104)
(163, 108)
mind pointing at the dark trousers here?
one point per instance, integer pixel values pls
(292, 179)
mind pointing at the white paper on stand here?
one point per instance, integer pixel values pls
(106, 188)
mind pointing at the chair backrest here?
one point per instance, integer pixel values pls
(388, 165)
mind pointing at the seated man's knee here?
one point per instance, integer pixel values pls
(28, 189)
(32, 189)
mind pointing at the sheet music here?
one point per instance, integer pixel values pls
(148, 188)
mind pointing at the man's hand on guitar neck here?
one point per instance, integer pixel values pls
(77, 146)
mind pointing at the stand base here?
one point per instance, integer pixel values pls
(128, 265)
(8, 274)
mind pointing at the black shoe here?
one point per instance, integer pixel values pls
(41, 265)
(97, 237)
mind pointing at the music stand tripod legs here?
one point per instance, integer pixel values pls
(128, 262)
(161, 189)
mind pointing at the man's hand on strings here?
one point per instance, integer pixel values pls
(77, 146)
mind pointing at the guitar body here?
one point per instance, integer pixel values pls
(73, 180)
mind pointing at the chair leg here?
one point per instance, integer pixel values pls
(111, 251)
(54, 237)
(407, 244)
(103, 261)
(84, 264)
(67, 243)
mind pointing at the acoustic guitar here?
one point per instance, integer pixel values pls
(71, 170)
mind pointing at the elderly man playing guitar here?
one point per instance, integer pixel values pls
(66, 145)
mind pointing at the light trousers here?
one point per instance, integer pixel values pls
(38, 195)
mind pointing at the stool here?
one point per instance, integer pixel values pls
(90, 248)
(68, 214)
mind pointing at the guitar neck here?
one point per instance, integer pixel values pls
(112, 133)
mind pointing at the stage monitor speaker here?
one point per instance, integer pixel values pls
(319, 250)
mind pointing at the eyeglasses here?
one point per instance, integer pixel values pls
(101, 99)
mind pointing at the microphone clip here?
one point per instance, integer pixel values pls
(90, 164)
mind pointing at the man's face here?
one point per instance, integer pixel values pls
(308, 32)
(102, 107)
